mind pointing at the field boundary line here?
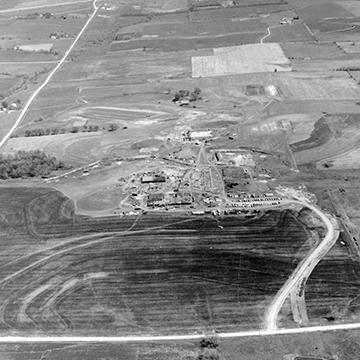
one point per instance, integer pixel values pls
(159, 338)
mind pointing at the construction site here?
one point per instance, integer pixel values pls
(179, 179)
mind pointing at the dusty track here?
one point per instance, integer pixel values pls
(304, 269)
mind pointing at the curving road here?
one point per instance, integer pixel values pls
(49, 77)
(268, 33)
(305, 268)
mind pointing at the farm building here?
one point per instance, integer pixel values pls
(155, 199)
(35, 47)
(202, 134)
(153, 178)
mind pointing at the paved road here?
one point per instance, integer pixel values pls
(49, 77)
(304, 269)
(144, 338)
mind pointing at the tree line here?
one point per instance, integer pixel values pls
(74, 129)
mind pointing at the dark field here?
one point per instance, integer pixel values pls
(319, 136)
(337, 297)
(332, 290)
(153, 274)
(342, 345)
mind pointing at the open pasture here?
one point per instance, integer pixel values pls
(348, 160)
(105, 115)
(343, 125)
(8, 83)
(74, 149)
(289, 33)
(166, 5)
(131, 276)
(350, 47)
(319, 86)
(203, 28)
(351, 6)
(235, 12)
(311, 50)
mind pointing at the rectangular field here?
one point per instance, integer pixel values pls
(251, 58)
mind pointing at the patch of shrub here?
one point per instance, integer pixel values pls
(28, 164)
(187, 95)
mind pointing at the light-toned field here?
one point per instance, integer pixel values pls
(251, 58)
(350, 47)
(75, 149)
(297, 126)
(336, 85)
(351, 6)
(348, 160)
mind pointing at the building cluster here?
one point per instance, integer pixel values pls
(245, 200)
(288, 20)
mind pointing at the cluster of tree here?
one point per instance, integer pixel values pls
(28, 164)
(42, 132)
(209, 349)
(14, 105)
(187, 95)
(85, 128)
(74, 129)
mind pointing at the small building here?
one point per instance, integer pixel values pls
(198, 212)
(180, 198)
(201, 134)
(153, 178)
(46, 47)
(156, 199)
(13, 106)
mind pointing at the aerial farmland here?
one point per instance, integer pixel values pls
(180, 178)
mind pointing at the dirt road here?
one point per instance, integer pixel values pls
(304, 269)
